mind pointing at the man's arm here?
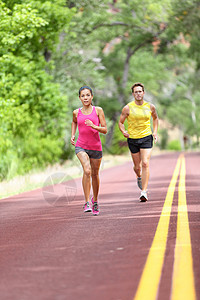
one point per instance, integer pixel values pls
(123, 116)
(155, 122)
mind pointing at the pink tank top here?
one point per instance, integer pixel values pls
(88, 137)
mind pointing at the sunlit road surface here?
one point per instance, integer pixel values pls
(50, 249)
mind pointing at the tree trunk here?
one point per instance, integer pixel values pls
(121, 98)
(110, 133)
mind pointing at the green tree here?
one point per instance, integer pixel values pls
(32, 109)
(119, 33)
(185, 20)
(116, 43)
(180, 44)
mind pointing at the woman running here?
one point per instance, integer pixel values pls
(90, 120)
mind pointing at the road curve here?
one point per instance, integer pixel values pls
(50, 249)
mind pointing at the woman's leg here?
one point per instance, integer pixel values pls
(145, 157)
(95, 165)
(86, 180)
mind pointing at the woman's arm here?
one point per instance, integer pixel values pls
(74, 126)
(102, 120)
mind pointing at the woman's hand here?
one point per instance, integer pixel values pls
(72, 140)
(103, 127)
(89, 123)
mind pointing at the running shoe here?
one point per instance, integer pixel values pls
(95, 207)
(87, 207)
(139, 182)
(143, 196)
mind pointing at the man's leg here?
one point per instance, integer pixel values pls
(136, 157)
(145, 156)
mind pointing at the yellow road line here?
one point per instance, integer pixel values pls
(183, 287)
(149, 282)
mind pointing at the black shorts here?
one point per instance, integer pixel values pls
(91, 153)
(144, 143)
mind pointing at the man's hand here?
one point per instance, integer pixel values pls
(125, 133)
(155, 137)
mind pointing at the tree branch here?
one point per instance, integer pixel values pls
(111, 24)
(149, 40)
(144, 29)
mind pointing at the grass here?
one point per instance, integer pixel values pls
(38, 179)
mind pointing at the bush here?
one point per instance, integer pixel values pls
(164, 139)
(174, 145)
(119, 142)
(33, 112)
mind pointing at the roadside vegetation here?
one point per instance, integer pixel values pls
(48, 49)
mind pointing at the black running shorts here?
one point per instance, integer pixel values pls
(91, 153)
(136, 144)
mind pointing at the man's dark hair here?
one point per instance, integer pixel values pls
(137, 84)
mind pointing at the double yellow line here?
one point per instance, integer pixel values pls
(183, 287)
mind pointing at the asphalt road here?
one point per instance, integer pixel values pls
(50, 249)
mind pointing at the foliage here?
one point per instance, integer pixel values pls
(117, 44)
(119, 143)
(174, 145)
(32, 109)
(112, 47)
(48, 49)
(185, 19)
(163, 140)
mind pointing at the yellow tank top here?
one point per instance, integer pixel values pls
(139, 120)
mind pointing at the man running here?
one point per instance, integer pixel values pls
(139, 135)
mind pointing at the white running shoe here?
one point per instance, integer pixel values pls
(143, 196)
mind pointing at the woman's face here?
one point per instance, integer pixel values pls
(86, 97)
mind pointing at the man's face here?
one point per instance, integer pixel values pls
(138, 93)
